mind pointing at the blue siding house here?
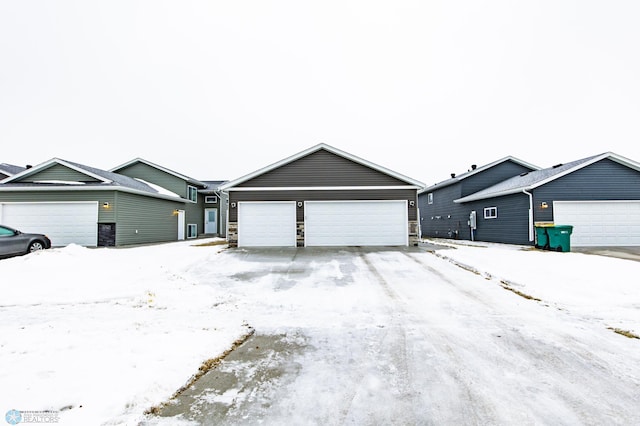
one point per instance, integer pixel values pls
(440, 217)
(599, 196)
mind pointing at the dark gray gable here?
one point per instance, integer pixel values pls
(322, 168)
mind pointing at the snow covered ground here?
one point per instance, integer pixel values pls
(98, 336)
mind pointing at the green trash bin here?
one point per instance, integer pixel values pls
(560, 237)
(542, 239)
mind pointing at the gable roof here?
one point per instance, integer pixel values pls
(105, 180)
(477, 170)
(10, 169)
(161, 168)
(328, 148)
(532, 180)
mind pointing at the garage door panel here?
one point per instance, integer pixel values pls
(356, 223)
(266, 224)
(600, 223)
(63, 222)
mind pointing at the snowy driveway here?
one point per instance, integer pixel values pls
(373, 336)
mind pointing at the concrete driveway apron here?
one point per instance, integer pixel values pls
(399, 336)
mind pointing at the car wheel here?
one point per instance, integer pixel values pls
(36, 246)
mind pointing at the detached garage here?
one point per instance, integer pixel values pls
(322, 197)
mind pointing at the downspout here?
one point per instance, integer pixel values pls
(219, 193)
(530, 214)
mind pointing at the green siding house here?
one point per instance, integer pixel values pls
(135, 203)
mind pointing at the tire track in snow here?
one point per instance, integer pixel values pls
(446, 395)
(549, 364)
(390, 367)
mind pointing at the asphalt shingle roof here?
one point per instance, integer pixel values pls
(524, 181)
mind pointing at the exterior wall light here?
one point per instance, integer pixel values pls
(412, 203)
(299, 203)
(544, 205)
(106, 205)
(233, 205)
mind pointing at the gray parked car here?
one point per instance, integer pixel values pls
(15, 243)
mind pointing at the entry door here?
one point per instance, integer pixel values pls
(181, 224)
(210, 221)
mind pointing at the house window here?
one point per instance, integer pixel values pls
(210, 199)
(491, 213)
(193, 193)
(192, 230)
(430, 198)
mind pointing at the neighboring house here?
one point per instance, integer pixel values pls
(322, 197)
(599, 196)
(7, 170)
(440, 217)
(205, 215)
(74, 203)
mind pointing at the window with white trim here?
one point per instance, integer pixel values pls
(490, 212)
(210, 199)
(192, 193)
(430, 198)
(192, 230)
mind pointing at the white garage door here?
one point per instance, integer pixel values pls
(267, 224)
(356, 223)
(600, 223)
(64, 223)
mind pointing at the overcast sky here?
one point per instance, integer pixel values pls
(216, 90)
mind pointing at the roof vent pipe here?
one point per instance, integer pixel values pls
(473, 167)
(28, 166)
(453, 175)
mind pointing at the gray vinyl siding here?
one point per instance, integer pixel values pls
(512, 224)
(604, 180)
(443, 218)
(156, 176)
(322, 168)
(400, 194)
(58, 172)
(153, 218)
(194, 213)
(446, 219)
(490, 177)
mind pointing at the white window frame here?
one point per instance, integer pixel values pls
(210, 199)
(192, 227)
(490, 212)
(430, 198)
(192, 193)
